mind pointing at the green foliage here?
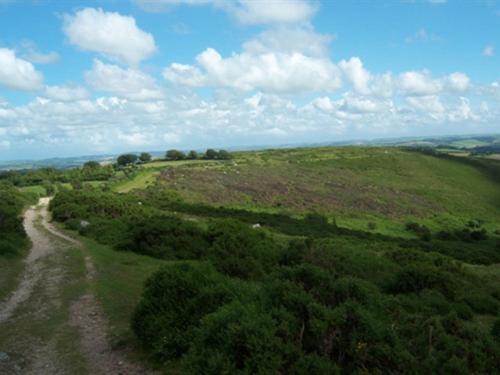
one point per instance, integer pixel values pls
(235, 339)
(299, 293)
(91, 165)
(175, 155)
(175, 299)
(12, 235)
(145, 157)
(210, 154)
(240, 251)
(126, 159)
(192, 155)
(165, 237)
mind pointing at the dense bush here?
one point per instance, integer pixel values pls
(336, 302)
(175, 299)
(12, 235)
(239, 250)
(165, 237)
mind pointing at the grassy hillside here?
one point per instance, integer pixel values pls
(387, 186)
(364, 260)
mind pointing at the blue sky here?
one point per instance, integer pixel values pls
(113, 76)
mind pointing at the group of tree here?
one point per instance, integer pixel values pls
(173, 154)
(209, 154)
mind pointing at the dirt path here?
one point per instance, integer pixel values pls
(52, 323)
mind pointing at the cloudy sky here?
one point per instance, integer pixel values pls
(91, 77)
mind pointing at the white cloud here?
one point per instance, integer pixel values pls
(458, 81)
(128, 83)
(489, 51)
(18, 74)
(42, 58)
(249, 12)
(430, 103)
(134, 139)
(419, 83)
(324, 103)
(271, 72)
(66, 93)
(28, 51)
(357, 74)
(184, 75)
(110, 34)
(270, 12)
(463, 112)
(289, 39)
(171, 138)
(357, 104)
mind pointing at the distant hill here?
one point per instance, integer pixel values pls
(475, 144)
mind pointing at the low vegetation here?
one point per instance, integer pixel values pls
(250, 288)
(12, 235)
(325, 260)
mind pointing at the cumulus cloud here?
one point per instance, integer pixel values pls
(17, 73)
(248, 12)
(271, 12)
(260, 67)
(430, 103)
(289, 39)
(458, 81)
(111, 34)
(66, 93)
(423, 84)
(127, 83)
(357, 74)
(419, 83)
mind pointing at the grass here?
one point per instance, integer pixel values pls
(37, 189)
(141, 180)
(121, 276)
(356, 185)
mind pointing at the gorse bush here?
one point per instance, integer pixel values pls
(12, 235)
(175, 299)
(237, 299)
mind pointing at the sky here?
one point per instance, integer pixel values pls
(111, 76)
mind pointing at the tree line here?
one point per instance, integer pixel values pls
(173, 154)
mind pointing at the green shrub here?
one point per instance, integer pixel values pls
(235, 339)
(174, 301)
(239, 250)
(495, 329)
(416, 277)
(165, 237)
(482, 303)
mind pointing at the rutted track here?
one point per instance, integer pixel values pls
(47, 324)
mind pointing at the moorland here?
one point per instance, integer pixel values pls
(326, 260)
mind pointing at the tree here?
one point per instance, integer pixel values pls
(175, 155)
(92, 164)
(145, 157)
(211, 154)
(224, 155)
(192, 155)
(126, 159)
